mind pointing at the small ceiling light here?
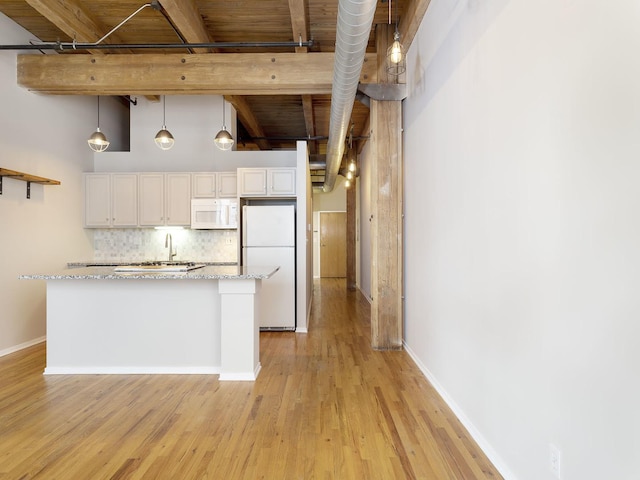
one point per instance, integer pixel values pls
(349, 175)
(347, 184)
(395, 50)
(396, 63)
(98, 142)
(164, 139)
(223, 140)
(352, 166)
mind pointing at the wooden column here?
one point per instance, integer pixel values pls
(386, 204)
(351, 236)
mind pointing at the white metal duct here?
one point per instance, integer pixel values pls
(355, 19)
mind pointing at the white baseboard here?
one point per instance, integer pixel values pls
(473, 431)
(241, 377)
(22, 346)
(132, 370)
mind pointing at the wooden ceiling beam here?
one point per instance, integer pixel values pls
(248, 119)
(410, 21)
(300, 30)
(70, 17)
(185, 16)
(197, 74)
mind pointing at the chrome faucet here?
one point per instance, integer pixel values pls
(168, 242)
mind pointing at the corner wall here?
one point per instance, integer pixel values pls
(44, 136)
(522, 228)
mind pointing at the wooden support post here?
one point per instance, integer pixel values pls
(386, 205)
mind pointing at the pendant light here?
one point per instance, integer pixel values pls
(396, 63)
(223, 140)
(98, 142)
(164, 139)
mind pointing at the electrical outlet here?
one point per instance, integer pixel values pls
(229, 241)
(554, 459)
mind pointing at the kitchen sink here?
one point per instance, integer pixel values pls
(159, 267)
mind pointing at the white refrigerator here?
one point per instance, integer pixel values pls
(269, 239)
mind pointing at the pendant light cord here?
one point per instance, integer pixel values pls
(164, 111)
(224, 123)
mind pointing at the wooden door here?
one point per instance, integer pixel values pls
(333, 244)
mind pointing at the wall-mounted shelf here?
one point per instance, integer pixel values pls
(25, 177)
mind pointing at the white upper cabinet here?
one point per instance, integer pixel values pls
(214, 185)
(204, 185)
(266, 182)
(227, 185)
(164, 199)
(178, 199)
(281, 181)
(97, 200)
(111, 200)
(252, 182)
(151, 199)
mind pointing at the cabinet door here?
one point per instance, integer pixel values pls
(151, 199)
(204, 185)
(97, 200)
(178, 198)
(227, 185)
(282, 181)
(124, 200)
(252, 181)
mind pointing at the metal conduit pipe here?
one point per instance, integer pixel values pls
(355, 19)
(60, 46)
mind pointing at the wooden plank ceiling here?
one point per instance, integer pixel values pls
(271, 118)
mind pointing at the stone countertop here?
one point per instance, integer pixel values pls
(104, 263)
(211, 272)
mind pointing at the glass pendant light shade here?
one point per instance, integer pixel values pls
(164, 139)
(223, 140)
(396, 64)
(98, 141)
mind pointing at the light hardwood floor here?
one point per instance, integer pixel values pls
(325, 406)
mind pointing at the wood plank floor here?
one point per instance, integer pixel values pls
(325, 406)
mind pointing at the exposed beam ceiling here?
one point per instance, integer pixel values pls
(275, 100)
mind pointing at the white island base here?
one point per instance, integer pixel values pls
(154, 326)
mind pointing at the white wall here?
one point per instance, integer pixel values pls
(44, 136)
(194, 121)
(304, 239)
(522, 228)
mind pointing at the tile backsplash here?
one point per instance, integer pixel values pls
(136, 244)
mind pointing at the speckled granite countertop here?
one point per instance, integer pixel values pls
(103, 263)
(210, 272)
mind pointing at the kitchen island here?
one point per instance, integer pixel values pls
(203, 321)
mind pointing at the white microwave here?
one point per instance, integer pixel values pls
(214, 213)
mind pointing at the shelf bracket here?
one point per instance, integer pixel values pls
(25, 177)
